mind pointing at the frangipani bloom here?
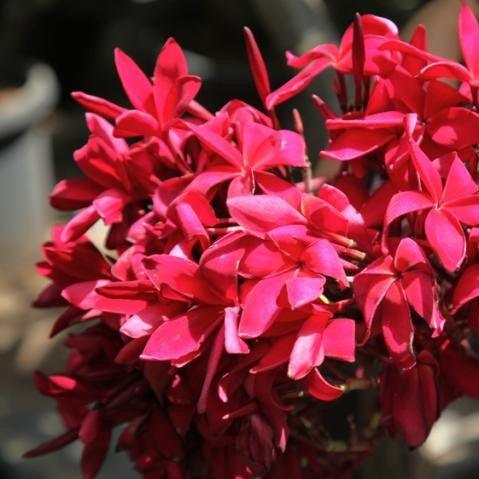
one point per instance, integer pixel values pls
(231, 302)
(389, 287)
(447, 207)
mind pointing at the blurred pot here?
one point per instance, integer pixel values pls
(26, 171)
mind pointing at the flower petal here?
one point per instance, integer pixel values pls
(182, 335)
(446, 237)
(261, 213)
(308, 351)
(397, 326)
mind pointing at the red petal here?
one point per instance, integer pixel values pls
(84, 296)
(369, 291)
(233, 343)
(136, 84)
(182, 335)
(135, 123)
(80, 224)
(110, 205)
(260, 214)
(297, 83)
(261, 306)
(428, 174)
(469, 38)
(408, 255)
(466, 210)
(318, 387)
(308, 351)
(98, 105)
(397, 327)
(446, 237)
(356, 142)
(277, 355)
(339, 339)
(257, 66)
(303, 290)
(467, 287)
(445, 69)
(53, 445)
(420, 291)
(403, 203)
(321, 257)
(217, 144)
(454, 128)
(459, 182)
(73, 194)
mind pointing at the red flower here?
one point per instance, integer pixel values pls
(447, 207)
(388, 287)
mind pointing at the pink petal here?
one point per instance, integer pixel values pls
(397, 327)
(257, 66)
(369, 291)
(260, 214)
(179, 274)
(144, 322)
(467, 287)
(211, 177)
(403, 203)
(356, 142)
(219, 267)
(110, 205)
(182, 335)
(73, 194)
(384, 119)
(469, 38)
(445, 69)
(428, 174)
(217, 144)
(136, 84)
(84, 296)
(261, 258)
(420, 292)
(181, 94)
(233, 343)
(466, 210)
(135, 123)
(458, 369)
(297, 83)
(303, 290)
(80, 224)
(339, 340)
(277, 355)
(216, 352)
(308, 351)
(170, 66)
(446, 237)
(319, 388)
(171, 61)
(459, 182)
(98, 105)
(272, 184)
(454, 128)
(261, 308)
(408, 255)
(321, 257)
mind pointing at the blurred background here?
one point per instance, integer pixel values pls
(49, 48)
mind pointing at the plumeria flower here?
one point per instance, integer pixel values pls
(446, 207)
(387, 288)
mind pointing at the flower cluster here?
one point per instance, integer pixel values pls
(232, 307)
